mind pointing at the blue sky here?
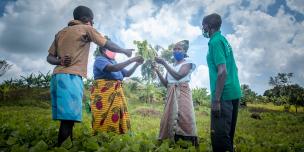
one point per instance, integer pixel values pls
(266, 35)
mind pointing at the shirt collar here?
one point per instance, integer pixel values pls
(215, 34)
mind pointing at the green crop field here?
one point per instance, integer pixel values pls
(28, 128)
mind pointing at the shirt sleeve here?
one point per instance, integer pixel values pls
(53, 48)
(193, 65)
(100, 64)
(124, 72)
(218, 52)
(96, 37)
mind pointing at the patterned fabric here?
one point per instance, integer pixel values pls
(109, 107)
(66, 94)
(178, 117)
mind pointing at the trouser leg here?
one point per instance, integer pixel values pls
(221, 127)
(235, 104)
(65, 131)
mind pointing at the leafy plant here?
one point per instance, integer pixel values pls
(284, 92)
(4, 67)
(200, 96)
(32, 129)
(148, 53)
(248, 95)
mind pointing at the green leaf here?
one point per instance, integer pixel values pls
(39, 147)
(11, 140)
(67, 144)
(91, 144)
(18, 148)
(60, 149)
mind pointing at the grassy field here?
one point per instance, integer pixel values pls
(30, 128)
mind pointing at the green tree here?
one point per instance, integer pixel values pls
(295, 95)
(46, 79)
(131, 88)
(284, 92)
(29, 80)
(4, 67)
(248, 95)
(200, 96)
(149, 76)
(148, 53)
(279, 83)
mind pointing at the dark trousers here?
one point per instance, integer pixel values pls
(65, 131)
(223, 127)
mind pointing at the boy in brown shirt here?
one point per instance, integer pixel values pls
(69, 52)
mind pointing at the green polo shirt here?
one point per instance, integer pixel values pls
(220, 52)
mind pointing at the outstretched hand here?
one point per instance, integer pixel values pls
(154, 66)
(159, 60)
(128, 52)
(139, 60)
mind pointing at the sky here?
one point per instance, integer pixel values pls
(266, 36)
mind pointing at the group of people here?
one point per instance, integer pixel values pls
(69, 52)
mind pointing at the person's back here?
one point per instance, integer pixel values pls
(69, 52)
(74, 41)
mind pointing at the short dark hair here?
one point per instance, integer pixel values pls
(83, 14)
(213, 20)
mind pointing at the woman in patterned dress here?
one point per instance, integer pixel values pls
(108, 103)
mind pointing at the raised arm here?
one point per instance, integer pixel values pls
(183, 71)
(115, 48)
(122, 65)
(160, 76)
(132, 70)
(100, 40)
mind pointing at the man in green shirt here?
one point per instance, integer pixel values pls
(224, 85)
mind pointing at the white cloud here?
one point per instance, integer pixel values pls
(261, 5)
(163, 27)
(141, 10)
(29, 26)
(23, 65)
(200, 77)
(263, 44)
(14, 72)
(218, 6)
